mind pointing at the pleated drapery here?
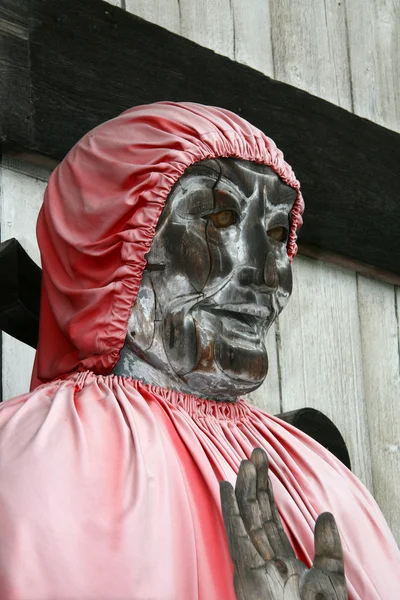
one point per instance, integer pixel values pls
(110, 491)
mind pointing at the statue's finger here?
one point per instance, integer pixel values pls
(246, 496)
(271, 520)
(328, 547)
(243, 553)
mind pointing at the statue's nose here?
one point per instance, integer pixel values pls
(264, 277)
(271, 278)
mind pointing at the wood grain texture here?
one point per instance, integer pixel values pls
(21, 167)
(15, 80)
(310, 47)
(320, 361)
(210, 24)
(398, 316)
(17, 366)
(374, 48)
(252, 35)
(379, 325)
(268, 395)
(21, 198)
(344, 262)
(165, 13)
(206, 22)
(222, 26)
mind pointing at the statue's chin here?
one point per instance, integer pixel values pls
(233, 371)
(217, 387)
(241, 363)
(228, 364)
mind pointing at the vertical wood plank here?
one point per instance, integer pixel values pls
(267, 396)
(380, 349)
(166, 13)
(17, 363)
(21, 198)
(398, 317)
(320, 362)
(210, 24)
(252, 35)
(309, 44)
(206, 22)
(374, 47)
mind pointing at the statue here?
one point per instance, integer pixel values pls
(166, 237)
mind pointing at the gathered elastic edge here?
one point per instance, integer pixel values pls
(196, 407)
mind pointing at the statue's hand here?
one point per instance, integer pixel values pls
(265, 564)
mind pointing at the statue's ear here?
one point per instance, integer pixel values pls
(141, 322)
(20, 280)
(317, 425)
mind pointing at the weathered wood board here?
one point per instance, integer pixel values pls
(310, 48)
(374, 52)
(379, 328)
(374, 56)
(320, 359)
(21, 194)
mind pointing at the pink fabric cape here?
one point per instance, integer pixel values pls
(109, 488)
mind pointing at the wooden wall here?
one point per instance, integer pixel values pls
(336, 346)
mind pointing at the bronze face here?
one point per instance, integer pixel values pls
(217, 276)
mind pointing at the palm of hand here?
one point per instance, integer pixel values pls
(265, 564)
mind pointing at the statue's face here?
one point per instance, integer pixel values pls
(219, 275)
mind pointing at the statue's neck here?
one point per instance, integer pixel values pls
(131, 365)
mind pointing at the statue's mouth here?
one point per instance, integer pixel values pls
(251, 310)
(241, 320)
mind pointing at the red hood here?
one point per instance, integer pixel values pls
(99, 215)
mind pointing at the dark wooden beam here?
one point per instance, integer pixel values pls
(15, 82)
(69, 65)
(20, 293)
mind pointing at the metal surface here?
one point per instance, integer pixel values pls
(217, 276)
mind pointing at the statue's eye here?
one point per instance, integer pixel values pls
(279, 234)
(223, 218)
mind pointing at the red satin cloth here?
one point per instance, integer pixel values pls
(109, 488)
(109, 491)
